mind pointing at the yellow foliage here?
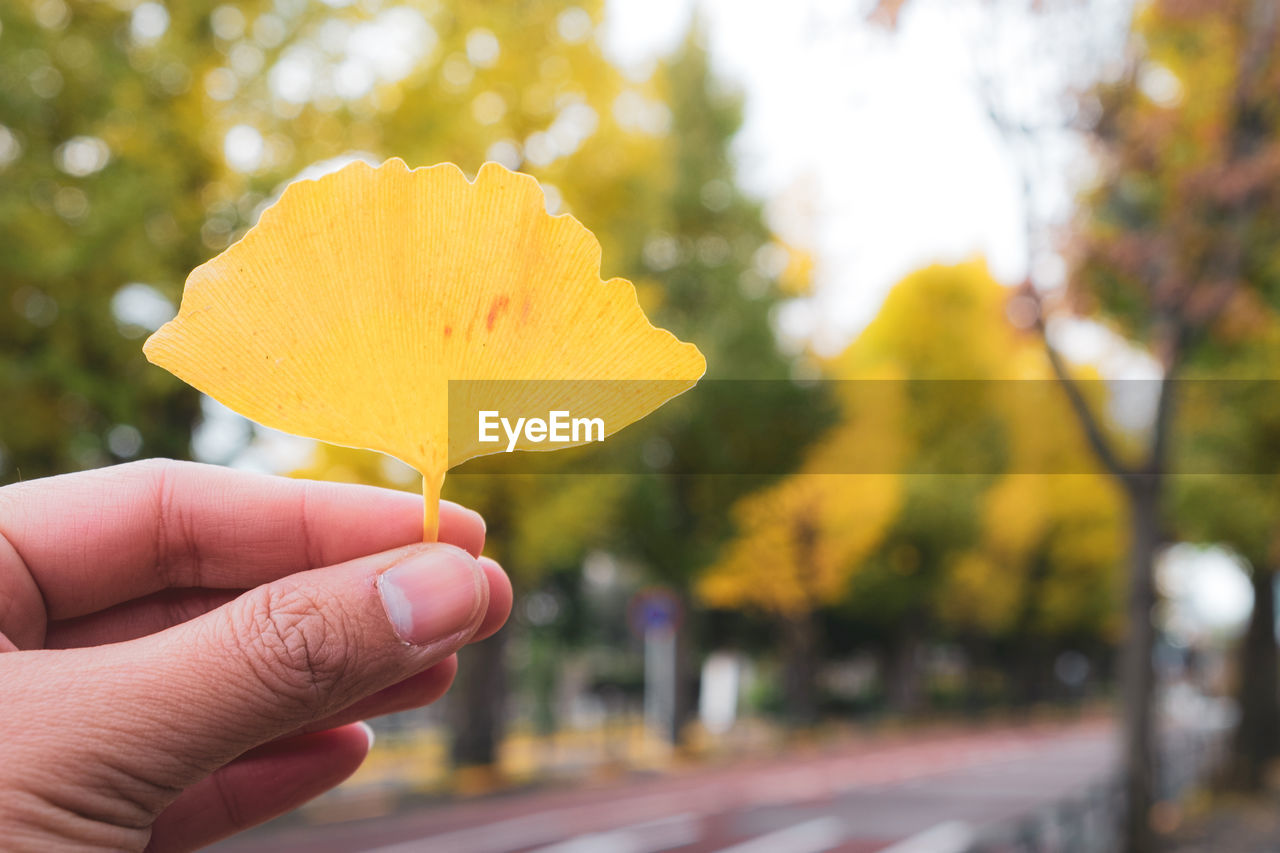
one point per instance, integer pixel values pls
(796, 278)
(1053, 529)
(941, 322)
(1049, 542)
(940, 375)
(1052, 543)
(799, 540)
(981, 593)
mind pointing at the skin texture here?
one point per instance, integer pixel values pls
(186, 651)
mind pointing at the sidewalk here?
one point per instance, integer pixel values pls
(1229, 825)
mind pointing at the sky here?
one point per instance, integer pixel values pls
(1206, 590)
(869, 144)
(874, 148)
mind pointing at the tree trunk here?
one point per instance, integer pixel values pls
(477, 702)
(976, 700)
(1136, 671)
(688, 672)
(542, 670)
(800, 653)
(1257, 739)
(1032, 664)
(902, 675)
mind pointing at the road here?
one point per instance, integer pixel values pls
(922, 794)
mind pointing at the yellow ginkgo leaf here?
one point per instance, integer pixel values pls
(346, 313)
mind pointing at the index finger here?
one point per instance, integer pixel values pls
(97, 538)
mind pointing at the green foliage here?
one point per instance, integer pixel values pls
(102, 183)
(710, 251)
(1228, 449)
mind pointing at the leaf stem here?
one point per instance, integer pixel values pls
(431, 485)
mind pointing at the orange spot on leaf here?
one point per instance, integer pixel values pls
(495, 308)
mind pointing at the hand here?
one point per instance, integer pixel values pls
(187, 649)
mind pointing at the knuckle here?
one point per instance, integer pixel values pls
(155, 465)
(159, 471)
(295, 645)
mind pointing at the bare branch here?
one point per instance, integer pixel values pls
(1089, 422)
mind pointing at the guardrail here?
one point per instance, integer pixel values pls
(1090, 821)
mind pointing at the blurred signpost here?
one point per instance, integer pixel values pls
(718, 698)
(654, 615)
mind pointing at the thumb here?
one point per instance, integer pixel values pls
(286, 654)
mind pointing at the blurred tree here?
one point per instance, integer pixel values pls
(1043, 571)
(939, 396)
(1177, 236)
(107, 176)
(1227, 440)
(941, 331)
(718, 276)
(798, 540)
(1174, 239)
(705, 267)
(1042, 577)
(1045, 564)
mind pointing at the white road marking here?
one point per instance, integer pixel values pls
(510, 834)
(812, 836)
(953, 836)
(541, 828)
(648, 837)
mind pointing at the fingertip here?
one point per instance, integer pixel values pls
(345, 746)
(353, 739)
(462, 526)
(501, 599)
(433, 592)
